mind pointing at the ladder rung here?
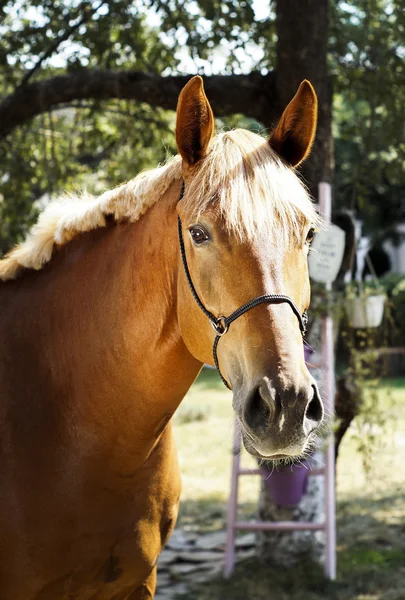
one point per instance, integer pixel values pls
(249, 472)
(279, 526)
(317, 471)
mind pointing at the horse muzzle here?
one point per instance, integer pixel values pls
(278, 421)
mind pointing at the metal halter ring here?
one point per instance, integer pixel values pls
(220, 325)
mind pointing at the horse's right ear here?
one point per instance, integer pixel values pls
(195, 122)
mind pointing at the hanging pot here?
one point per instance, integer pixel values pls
(287, 484)
(365, 311)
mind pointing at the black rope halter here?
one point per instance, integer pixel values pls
(221, 324)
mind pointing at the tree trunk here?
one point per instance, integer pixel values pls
(302, 29)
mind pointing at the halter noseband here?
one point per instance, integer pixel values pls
(221, 324)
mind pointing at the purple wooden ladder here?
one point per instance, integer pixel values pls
(326, 366)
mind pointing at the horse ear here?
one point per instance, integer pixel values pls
(195, 122)
(293, 137)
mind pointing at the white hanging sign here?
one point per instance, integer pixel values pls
(326, 254)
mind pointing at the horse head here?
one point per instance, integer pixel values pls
(246, 223)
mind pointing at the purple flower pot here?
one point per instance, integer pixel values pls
(287, 484)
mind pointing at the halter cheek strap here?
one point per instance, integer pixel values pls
(221, 324)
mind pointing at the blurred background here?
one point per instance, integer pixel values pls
(88, 94)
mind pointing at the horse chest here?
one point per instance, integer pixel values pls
(101, 542)
(135, 530)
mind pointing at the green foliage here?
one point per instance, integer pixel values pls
(101, 34)
(367, 61)
(363, 290)
(361, 354)
(205, 25)
(95, 146)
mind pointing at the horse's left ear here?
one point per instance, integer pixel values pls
(293, 137)
(195, 122)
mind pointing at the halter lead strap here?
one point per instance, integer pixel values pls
(221, 324)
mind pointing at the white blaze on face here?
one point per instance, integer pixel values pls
(282, 421)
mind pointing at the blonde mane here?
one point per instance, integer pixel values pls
(68, 216)
(241, 176)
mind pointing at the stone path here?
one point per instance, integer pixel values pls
(194, 558)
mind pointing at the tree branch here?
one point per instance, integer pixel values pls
(250, 94)
(88, 13)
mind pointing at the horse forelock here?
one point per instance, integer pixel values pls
(252, 188)
(241, 177)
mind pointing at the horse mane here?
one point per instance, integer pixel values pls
(68, 216)
(242, 177)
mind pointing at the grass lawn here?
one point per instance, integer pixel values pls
(370, 511)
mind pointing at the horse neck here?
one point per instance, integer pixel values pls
(115, 343)
(169, 368)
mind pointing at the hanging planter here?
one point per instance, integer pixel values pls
(365, 301)
(286, 484)
(365, 311)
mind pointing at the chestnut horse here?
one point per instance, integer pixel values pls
(101, 337)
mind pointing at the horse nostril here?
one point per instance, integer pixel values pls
(257, 411)
(314, 410)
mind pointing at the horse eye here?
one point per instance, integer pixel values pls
(198, 234)
(310, 235)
